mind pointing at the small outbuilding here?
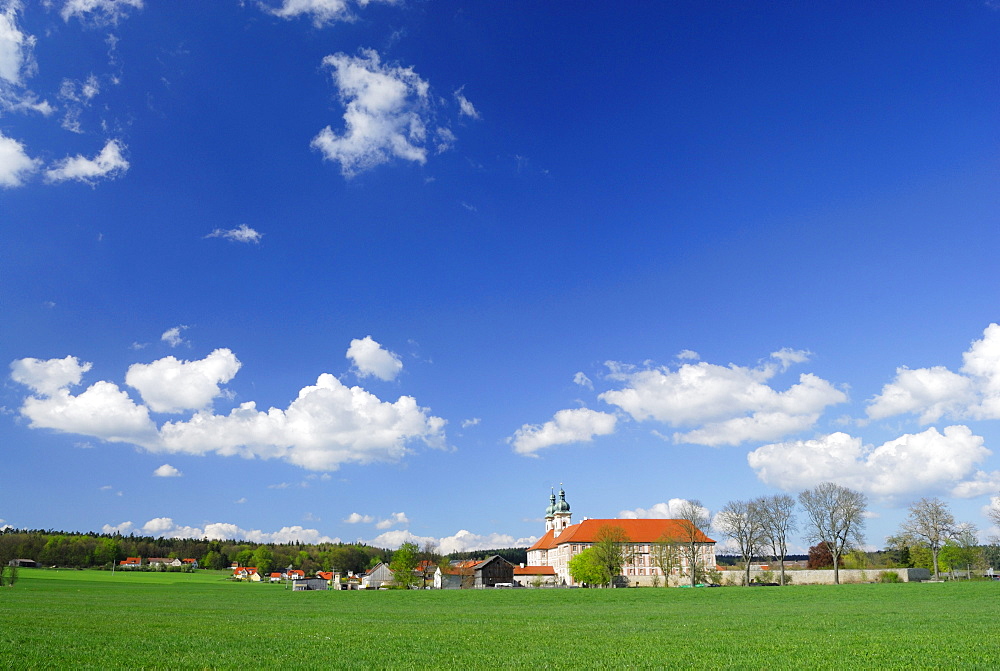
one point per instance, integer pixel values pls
(493, 571)
(307, 584)
(23, 563)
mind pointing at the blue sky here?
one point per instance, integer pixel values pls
(327, 269)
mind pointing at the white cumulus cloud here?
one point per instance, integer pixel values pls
(462, 541)
(566, 426)
(669, 510)
(165, 527)
(15, 164)
(723, 405)
(936, 392)
(16, 47)
(109, 163)
(358, 518)
(102, 411)
(396, 519)
(167, 471)
(172, 385)
(386, 114)
(910, 464)
(370, 358)
(49, 376)
(327, 425)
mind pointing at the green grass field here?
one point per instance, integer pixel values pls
(62, 619)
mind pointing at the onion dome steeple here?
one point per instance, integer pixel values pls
(562, 506)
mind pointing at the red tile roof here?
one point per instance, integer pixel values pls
(638, 531)
(458, 567)
(534, 570)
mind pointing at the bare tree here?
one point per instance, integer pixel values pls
(836, 517)
(929, 524)
(778, 519)
(612, 550)
(665, 554)
(994, 512)
(742, 522)
(692, 518)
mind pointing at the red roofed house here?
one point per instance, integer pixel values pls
(131, 562)
(563, 541)
(475, 574)
(246, 573)
(534, 576)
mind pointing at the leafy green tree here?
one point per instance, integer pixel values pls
(404, 561)
(966, 552)
(263, 559)
(214, 560)
(922, 558)
(904, 557)
(586, 567)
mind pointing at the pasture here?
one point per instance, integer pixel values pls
(62, 619)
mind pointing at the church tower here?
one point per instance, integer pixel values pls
(550, 512)
(557, 515)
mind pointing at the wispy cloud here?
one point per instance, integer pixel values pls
(241, 233)
(172, 336)
(464, 106)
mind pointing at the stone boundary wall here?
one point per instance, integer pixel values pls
(825, 576)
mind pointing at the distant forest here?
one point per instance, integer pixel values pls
(90, 550)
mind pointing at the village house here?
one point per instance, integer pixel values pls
(248, 573)
(131, 562)
(475, 574)
(563, 541)
(307, 584)
(534, 576)
(164, 561)
(376, 576)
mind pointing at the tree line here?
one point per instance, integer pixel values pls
(88, 550)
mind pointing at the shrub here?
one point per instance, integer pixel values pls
(889, 576)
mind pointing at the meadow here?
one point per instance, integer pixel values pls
(91, 619)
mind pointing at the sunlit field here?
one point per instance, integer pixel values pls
(171, 620)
